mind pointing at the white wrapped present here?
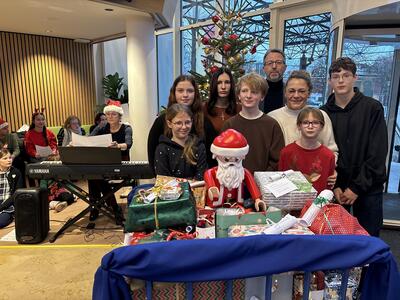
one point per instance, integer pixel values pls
(291, 200)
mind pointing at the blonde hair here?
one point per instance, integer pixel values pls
(67, 124)
(190, 146)
(255, 81)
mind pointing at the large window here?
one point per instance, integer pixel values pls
(165, 67)
(306, 48)
(194, 11)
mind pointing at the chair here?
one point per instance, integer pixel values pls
(246, 257)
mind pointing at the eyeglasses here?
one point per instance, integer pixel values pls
(345, 76)
(180, 123)
(271, 62)
(300, 92)
(312, 123)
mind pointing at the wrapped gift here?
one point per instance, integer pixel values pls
(225, 217)
(246, 230)
(293, 200)
(198, 192)
(162, 213)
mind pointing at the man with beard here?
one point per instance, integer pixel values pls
(274, 68)
(224, 183)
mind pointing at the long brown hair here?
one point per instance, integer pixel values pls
(198, 116)
(212, 100)
(44, 132)
(191, 143)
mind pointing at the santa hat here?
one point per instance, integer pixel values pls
(230, 143)
(113, 105)
(3, 123)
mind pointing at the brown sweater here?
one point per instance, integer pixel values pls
(265, 139)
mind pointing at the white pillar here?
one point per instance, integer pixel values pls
(142, 81)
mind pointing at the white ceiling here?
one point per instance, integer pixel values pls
(75, 19)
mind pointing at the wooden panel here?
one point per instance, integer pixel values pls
(39, 71)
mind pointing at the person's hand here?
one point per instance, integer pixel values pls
(332, 179)
(213, 192)
(260, 205)
(113, 144)
(349, 197)
(338, 194)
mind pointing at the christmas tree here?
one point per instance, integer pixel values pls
(224, 48)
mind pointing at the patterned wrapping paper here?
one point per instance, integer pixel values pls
(247, 230)
(294, 200)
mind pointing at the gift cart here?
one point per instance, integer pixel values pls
(227, 259)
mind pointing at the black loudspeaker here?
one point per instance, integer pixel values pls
(31, 215)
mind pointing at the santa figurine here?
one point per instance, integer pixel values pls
(225, 182)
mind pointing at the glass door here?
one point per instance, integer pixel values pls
(377, 55)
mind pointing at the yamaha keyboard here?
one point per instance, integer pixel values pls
(58, 171)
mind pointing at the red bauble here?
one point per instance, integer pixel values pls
(227, 47)
(214, 69)
(233, 36)
(215, 19)
(205, 41)
(253, 50)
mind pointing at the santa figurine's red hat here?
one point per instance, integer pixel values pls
(113, 105)
(230, 143)
(3, 123)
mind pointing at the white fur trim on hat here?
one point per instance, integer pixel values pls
(115, 108)
(232, 152)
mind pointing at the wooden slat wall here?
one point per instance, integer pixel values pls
(39, 71)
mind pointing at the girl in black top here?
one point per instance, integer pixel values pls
(184, 91)
(180, 154)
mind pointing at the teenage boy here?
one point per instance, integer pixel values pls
(361, 135)
(263, 133)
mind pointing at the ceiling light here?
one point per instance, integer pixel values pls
(109, 9)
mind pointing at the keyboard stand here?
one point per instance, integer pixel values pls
(97, 204)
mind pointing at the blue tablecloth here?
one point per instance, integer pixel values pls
(229, 258)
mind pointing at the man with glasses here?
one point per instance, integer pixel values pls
(361, 134)
(274, 68)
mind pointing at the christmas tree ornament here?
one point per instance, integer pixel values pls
(207, 50)
(205, 41)
(244, 51)
(215, 19)
(231, 60)
(233, 36)
(227, 47)
(214, 69)
(253, 50)
(238, 57)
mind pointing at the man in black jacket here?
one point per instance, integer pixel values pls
(361, 135)
(274, 67)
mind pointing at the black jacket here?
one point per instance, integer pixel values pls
(15, 181)
(158, 129)
(169, 160)
(274, 98)
(361, 135)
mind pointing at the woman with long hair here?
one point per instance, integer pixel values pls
(179, 153)
(222, 103)
(39, 135)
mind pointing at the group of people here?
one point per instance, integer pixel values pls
(341, 146)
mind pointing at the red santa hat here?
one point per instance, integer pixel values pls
(3, 123)
(113, 105)
(230, 143)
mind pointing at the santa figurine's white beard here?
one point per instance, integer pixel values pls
(230, 174)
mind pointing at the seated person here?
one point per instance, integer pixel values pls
(72, 124)
(121, 139)
(179, 153)
(39, 135)
(9, 141)
(99, 118)
(10, 181)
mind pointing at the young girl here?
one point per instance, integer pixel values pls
(307, 154)
(180, 154)
(10, 181)
(184, 91)
(222, 102)
(39, 135)
(72, 124)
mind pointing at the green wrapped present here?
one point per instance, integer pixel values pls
(226, 217)
(162, 213)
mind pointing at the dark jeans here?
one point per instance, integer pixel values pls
(99, 187)
(5, 219)
(369, 212)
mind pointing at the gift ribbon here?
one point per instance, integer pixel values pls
(155, 214)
